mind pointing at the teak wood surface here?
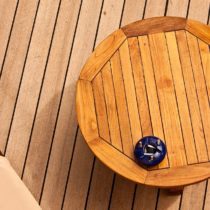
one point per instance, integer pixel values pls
(150, 77)
(44, 45)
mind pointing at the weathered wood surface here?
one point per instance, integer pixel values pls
(44, 45)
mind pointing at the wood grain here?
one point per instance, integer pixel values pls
(34, 69)
(13, 67)
(151, 87)
(139, 82)
(200, 86)
(64, 138)
(205, 58)
(154, 25)
(130, 92)
(112, 112)
(79, 188)
(120, 96)
(168, 104)
(200, 30)
(86, 119)
(188, 136)
(7, 14)
(100, 105)
(44, 124)
(192, 97)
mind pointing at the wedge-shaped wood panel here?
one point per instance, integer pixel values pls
(150, 78)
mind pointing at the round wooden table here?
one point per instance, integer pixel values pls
(150, 78)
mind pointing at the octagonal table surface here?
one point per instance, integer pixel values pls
(151, 77)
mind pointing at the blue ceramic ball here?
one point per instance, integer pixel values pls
(149, 151)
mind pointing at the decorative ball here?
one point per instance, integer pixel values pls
(150, 151)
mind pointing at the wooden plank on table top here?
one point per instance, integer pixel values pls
(186, 123)
(87, 119)
(141, 92)
(151, 89)
(81, 166)
(167, 99)
(145, 198)
(139, 82)
(112, 112)
(7, 16)
(201, 87)
(205, 58)
(154, 25)
(100, 105)
(13, 64)
(30, 87)
(130, 92)
(192, 97)
(66, 127)
(120, 97)
(102, 54)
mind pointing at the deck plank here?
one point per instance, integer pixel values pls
(14, 64)
(66, 128)
(79, 178)
(31, 84)
(43, 129)
(7, 16)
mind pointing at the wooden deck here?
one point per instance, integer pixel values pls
(44, 44)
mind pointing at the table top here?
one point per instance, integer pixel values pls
(150, 78)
